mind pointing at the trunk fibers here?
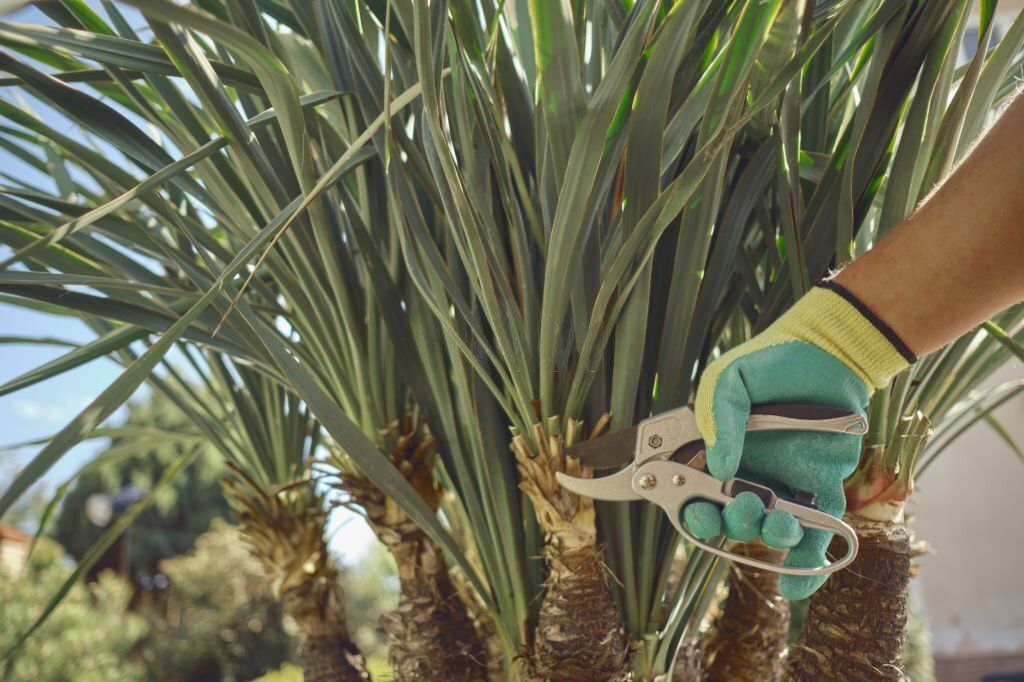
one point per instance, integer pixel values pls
(580, 634)
(748, 639)
(285, 531)
(431, 634)
(327, 651)
(855, 624)
(579, 631)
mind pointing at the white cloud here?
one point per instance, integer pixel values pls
(32, 410)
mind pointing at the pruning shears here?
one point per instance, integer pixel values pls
(667, 467)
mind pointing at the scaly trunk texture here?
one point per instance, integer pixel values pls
(580, 634)
(431, 634)
(328, 654)
(480, 618)
(855, 624)
(748, 639)
(285, 531)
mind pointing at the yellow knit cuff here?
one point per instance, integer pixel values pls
(829, 319)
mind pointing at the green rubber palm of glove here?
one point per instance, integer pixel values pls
(794, 372)
(823, 352)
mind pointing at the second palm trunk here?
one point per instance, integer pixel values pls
(286, 532)
(579, 634)
(747, 640)
(432, 635)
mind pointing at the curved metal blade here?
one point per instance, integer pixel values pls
(615, 488)
(606, 452)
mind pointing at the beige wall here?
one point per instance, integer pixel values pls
(13, 554)
(970, 507)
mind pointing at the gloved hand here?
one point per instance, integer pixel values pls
(830, 350)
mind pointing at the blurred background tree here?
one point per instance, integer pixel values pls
(134, 461)
(197, 607)
(217, 619)
(88, 638)
(214, 620)
(25, 514)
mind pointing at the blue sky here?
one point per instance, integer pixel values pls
(43, 409)
(40, 410)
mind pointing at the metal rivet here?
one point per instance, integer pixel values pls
(654, 441)
(648, 481)
(678, 479)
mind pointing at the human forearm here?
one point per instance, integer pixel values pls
(959, 259)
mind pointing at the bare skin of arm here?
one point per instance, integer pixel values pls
(959, 259)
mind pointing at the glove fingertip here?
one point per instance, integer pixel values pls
(723, 459)
(704, 519)
(797, 587)
(781, 530)
(809, 553)
(742, 517)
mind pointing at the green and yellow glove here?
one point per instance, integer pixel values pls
(828, 349)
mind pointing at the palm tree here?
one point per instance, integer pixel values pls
(747, 640)
(475, 229)
(433, 634)
(778, 130)
(266, 436)
(236, 190)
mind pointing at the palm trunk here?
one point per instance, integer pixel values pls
(327, 651)
(431, 634)
(748, 639)
(286, 533)
(483, 627)
(855, 623)
(579, 631)
(580, 634)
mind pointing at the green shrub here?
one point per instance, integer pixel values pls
(89, 637)
(217, 620)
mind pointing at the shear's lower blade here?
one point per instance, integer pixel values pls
(615, 488)
(606, 452)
